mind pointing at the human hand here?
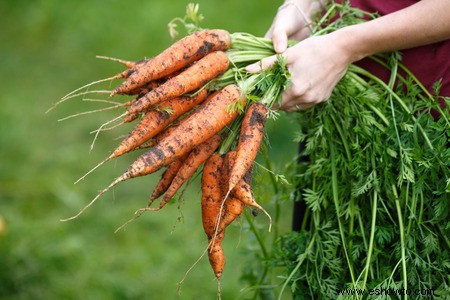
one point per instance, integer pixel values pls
(316, 65)
(292, 21)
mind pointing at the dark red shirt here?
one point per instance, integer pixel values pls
(430, 63)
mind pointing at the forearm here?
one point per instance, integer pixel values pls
(426, 22)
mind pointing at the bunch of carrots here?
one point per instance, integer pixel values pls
(197, 110)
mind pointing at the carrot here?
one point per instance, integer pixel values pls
(231, 206)
(250, 138)
(166, 179)
(180, 54)
(211, 193)
(206, 121)
(160, 136)
(228, 160)
(243, 192)
(197, 156)
(211, 203)
(154, 141)
(154, 121)
(187, 81)
(142, 90)
(217, 257)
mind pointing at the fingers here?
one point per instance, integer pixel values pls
(301, 97)
(262, 65)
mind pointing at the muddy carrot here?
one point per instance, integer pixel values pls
(194, 77)
(180, 54)
(156, 120)
(197, 156)
(166, 179)
(243, 191)
(250, 138)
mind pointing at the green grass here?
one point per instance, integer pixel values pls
(49, 49)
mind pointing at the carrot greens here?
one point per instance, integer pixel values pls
(376, 183)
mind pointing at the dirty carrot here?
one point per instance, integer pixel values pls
(180, 54)
(142, 90)
(250, 138)
(192, 78)
(166, 179)
(243, 191)
(197, 156)
(211, 193)
(211, 203)
(154, 121)
(217, 257)
(231, 206)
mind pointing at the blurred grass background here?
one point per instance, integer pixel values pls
(48, 48)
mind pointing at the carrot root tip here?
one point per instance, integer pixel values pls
(94, 168)
(123, 177)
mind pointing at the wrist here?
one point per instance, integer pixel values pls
(353, 42)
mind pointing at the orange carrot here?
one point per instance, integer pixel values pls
(197, 156)
(232, 207)
(211, 203)
(163, 134)
(217, 256)
(243, 192)
(250, 138)
(183, 52)
(154, 121)
(142, 90)
(187, 81)
(228, 160)
(211, 193)
(166, 179)
(206, 121)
